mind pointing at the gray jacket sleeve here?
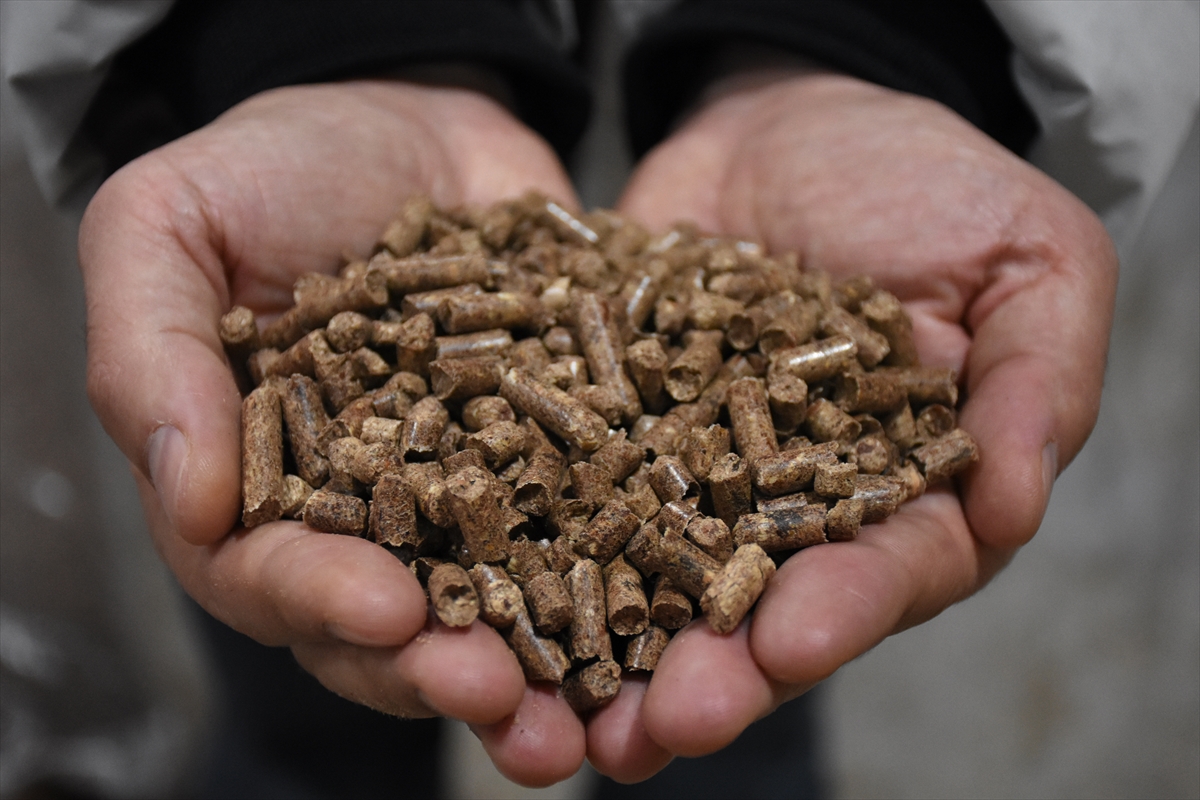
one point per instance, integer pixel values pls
(53, 58)
(1115, 88)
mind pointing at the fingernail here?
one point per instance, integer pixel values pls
(166, 452)
(1049, 467)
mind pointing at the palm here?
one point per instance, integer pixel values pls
(286, 183)
(1008, 278)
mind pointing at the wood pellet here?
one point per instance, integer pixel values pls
(581, 433)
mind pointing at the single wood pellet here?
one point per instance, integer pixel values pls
(581, 433)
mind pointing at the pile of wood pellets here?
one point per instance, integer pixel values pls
(577, 431)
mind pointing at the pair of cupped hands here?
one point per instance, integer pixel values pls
(1008, 278)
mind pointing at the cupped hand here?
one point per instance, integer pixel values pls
(1008, 278)
(283, 184)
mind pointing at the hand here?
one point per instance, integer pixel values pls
(232, 214)
(1009, 279)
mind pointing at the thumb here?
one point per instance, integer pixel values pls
(157, 373)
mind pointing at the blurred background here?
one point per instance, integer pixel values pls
(1075, 674)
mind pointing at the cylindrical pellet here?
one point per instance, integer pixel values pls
(944, 457)
(670, 608)
(262, 457)
(712, 536)
(750, 417)
(588, 636)
(843, 520)
(474, 345)
(549, 602)
(643, 651)
(700, 448)
(792, 470)
(827, 423)
(457, 379)
(693, 370)
(466, 313)
(688, 567)
(423, 427)
(472, 497)
(816, 361)
(554, 409)
(306, 418)
(628, 609)
(671, 480)
(393, 519)
(737, 588)
(500, 599)
(607, 533)
(499, 442)
(729, 485)
(592, 687)
(604, 352)
(872, 346)
(785, 529)
(619, 456)
(453, 596)
(538, 484)
(329, 512)
(540, 657)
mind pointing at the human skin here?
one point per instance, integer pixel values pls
(1009, 278)
(285, 183)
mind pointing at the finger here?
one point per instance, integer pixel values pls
(1036, 368)
(617, 742)
(706, 690)
(830, 604)
(283, 583)
(465, 673)
(539, 744)
(157, 375)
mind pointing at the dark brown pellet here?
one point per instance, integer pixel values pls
(750, 418)
(827, 423)
(693, 370)
(737, 588)
(415, 346)
(262, 457)
(591, 484)
(588, 636)
(549, 602)
(423, 427)
(539, 482)
(881, 496)
(835, 479)
(785, 529)
(295, 494)
(688, 567)
(555, 409)
(592, 687)
(500, 600)
(712, 536)
(729, 485)
(670, 608)
(843, 520)
(947, 455)
(671, 480)
(474, 345)
(499, 442)
(540, 657)
(473, 501)
(643, 651)
(467, 313)
(628, 609)
(306, 418)
(607, 533)
(393, 518)
(453, 596)
(604, 352)
(648, 367)
(330, 512)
